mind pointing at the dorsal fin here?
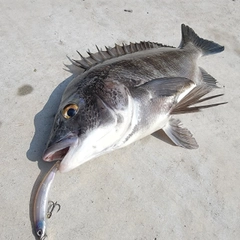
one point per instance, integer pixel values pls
(101, 56)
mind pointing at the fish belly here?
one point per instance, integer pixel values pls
(145, 121)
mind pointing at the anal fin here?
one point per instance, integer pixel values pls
(208, 79)
(180, 136)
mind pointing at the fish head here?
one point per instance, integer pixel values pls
(41, 229)
(84, 126)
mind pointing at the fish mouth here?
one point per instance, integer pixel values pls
(59, 150)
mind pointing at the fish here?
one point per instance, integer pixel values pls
(40, 204)
(128, 92)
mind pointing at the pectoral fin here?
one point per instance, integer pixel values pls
(168, 86)
(185, 105)
(180, 136)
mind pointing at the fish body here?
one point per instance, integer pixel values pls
(40, 204)
(128, 92)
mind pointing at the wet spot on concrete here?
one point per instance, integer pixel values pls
(25, 90)
(0, 123)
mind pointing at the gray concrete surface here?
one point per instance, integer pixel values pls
(148, 190)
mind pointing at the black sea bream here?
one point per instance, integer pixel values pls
(128, 92)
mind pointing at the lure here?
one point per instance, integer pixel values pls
(40, 206)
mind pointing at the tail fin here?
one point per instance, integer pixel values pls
(207, 47)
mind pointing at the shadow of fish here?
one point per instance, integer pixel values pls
(128, 92)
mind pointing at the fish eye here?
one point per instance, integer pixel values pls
(70, 111)
(39, 233)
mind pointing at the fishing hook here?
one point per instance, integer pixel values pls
(51, 208)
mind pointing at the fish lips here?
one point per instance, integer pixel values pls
(59, 149)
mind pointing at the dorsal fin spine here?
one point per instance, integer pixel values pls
(101, 53)
(132, 47)
(117, 47)
(139, 46)
(110, 52)
(80, 64)
(85, 59)
(93, 57)
(144, 45)
(125, 48)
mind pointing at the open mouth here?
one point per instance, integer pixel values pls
(59, 150)
(58, 155)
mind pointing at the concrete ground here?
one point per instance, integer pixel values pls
(150, 189)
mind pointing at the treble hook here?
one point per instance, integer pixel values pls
(51, 208)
